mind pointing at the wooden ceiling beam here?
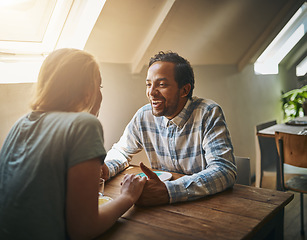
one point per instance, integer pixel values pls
(138, 60)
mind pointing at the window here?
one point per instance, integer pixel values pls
(294, 30)
(31, 29)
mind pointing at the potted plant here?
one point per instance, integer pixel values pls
(292, 103)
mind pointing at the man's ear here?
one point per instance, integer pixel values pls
(185, 90)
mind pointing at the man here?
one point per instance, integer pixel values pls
(179, 133)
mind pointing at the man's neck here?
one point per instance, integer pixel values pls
(181, 106)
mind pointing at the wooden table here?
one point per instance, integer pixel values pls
(270, 131)
(242, 212)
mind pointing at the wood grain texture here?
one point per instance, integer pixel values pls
(240, 212)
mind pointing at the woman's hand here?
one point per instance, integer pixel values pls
(132, 186)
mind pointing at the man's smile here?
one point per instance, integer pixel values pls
(156, 103)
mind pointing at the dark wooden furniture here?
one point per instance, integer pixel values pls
(268, 152)
(242, 212)
(292, 150)
(268, 161)
(243, 170)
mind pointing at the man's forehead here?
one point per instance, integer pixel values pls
(160, 64)
(163, 69)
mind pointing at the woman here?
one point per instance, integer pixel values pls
(50, 161)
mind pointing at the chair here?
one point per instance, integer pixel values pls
(292, 150)
(243, 170)
(268, 151)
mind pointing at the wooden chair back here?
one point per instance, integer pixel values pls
(292, 148)
(265, 125)
(243, 170)
(267, 151)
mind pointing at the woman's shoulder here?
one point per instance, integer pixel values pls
(72, 116)
(71, 119)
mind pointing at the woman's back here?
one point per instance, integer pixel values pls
(35, 158)
(50, 162)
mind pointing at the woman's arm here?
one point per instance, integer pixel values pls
(85, 219)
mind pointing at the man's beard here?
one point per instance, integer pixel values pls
(167, 111)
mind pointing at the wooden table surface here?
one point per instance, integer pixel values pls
(282, 127)
(242, 212)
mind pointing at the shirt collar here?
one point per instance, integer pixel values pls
(180, 119)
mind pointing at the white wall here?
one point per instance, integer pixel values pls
(123, 94)
(14, 103)
(246, 99)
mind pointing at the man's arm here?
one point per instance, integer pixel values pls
(121, 153)
(186, 188)
(207, 182)
(220, 170)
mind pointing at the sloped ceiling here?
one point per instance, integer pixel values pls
(203, 31)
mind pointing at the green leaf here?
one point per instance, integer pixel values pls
(292, 102)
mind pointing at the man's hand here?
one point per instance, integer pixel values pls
(154, 191)
(104, 174)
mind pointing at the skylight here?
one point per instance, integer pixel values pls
(294, 30)
(30, 26)
(31, 29)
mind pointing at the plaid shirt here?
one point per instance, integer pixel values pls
(195, 143)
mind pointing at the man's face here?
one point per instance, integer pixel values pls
(162, 90)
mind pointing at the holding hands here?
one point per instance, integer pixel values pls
(154, 191)
(142, 191)
(132, 186)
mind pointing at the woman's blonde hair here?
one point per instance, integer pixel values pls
(68, 81)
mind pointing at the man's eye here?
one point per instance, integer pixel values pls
(148, 84)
